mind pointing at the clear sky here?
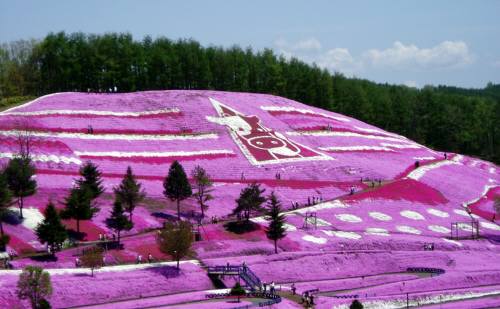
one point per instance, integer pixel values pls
(419, 42)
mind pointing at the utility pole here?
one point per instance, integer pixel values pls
(407, 301)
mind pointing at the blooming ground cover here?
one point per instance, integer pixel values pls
(298, 152)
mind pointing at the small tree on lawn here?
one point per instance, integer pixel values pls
(356, 304)
(91, 178)
(5, 199)
(175, 239)
(276, 230)
(51, 230)
(129, 192)
(176, 185)
(203, 185)
(237, 290)
(19, 173)
(79, 206)
(250, 199)
(92, 258)
(34, 284)
(118, 221)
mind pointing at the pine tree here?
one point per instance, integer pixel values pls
(129, 192)
(19, 172)
(176, 185)
(175, 239)
(356, 304)
(79, 206)
(118, 221)
(34, 284)
(51, 230)
(237, 290)
(5, 199)
(276, 230)
(203, 185)
(250, 199)
(92, 179)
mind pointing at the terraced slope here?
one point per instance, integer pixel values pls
(302, 153)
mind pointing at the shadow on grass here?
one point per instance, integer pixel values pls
(165, 271)
(241, 227)
(11, 217)
(44, 258)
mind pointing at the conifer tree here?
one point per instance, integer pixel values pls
(276, 230)
(51, 230)
(203, 185)
(79, 205)
(176, 185)
(92, 179)
(19, 172)
(118, 221)
(129, 193)
(250, 200)
(5, 199)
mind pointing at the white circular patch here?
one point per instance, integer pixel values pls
(464, 213)
(380, 216)
(408, 229)
(465, 227)
(348, 218)
(316, 240)
(377, 231)
(491, 226)
(342, 234)
(412, 215)
(439, 229)
(289, 227)
(453, 242)
(438, 213)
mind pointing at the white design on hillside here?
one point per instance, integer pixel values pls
(343, 234)
(316, 240)
(111, 137)
(439, 229)
(302, 111)
(379, 216)
(348, 218)
(355, 148)
(452, 242)
(421, 171)
(412, 215)
(408, 229)
(491, 226)
(63, 112)
(464, 213)
(377, 231)
(32, 217)
(343, 134)
(438, 213)
(144, 154)
(45, 158)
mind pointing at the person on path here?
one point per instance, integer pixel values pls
(293, 288)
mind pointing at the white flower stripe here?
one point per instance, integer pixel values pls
(127, 137)
(45, 158)
(62, 112)
(343, 134)
(166, 154)
(302, 111)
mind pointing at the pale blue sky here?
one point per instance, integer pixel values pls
(414, 42)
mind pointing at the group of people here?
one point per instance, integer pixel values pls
(307, 299)
(314, 200)
(104, 237)
(272, 287)
(138, 259)
(109, 90)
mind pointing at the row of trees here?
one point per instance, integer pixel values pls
(447, 118)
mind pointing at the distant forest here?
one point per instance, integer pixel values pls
(441, 117)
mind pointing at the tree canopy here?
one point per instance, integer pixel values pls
(175, 239)
(250, 200)
(129, 193)
(276, 229)
(176, 185)
(51, 230)
(34, 284)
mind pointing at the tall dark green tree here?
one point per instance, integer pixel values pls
(276, 228)
(176, 185)
(250, 200)
(79, 205)
(118, 221)
(202, 185)
(5, 198)
(19, 172)
(91, 178)
(51, 230)
(129, 193)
